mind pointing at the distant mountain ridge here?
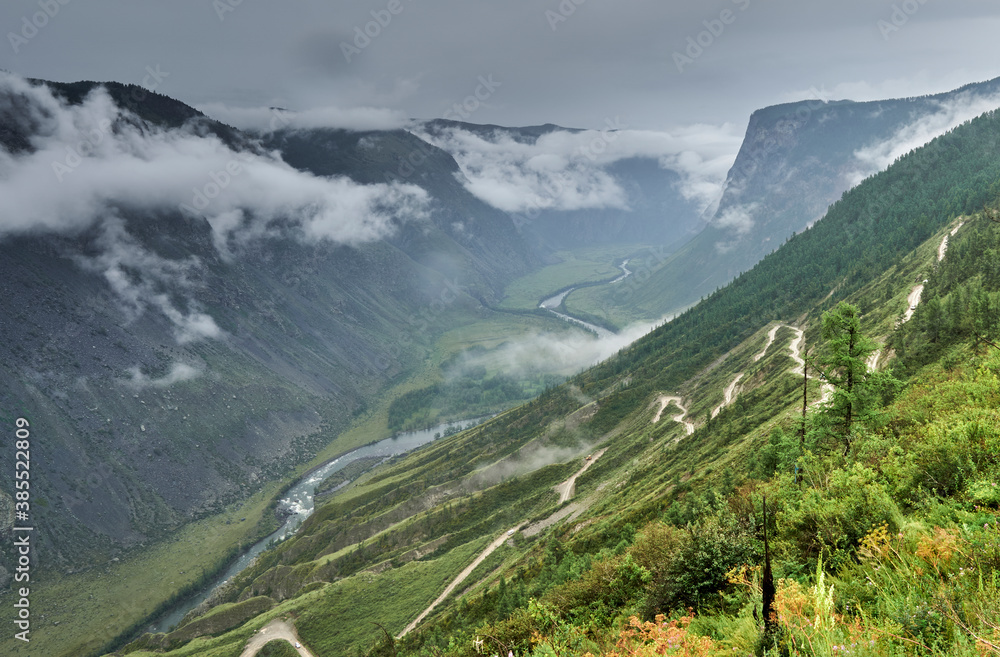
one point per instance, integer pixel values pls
(656, 211)
(795, 161)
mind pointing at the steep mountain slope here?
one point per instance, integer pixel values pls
(664, 518)
(796, 160)
(176, 365)
(485, 234)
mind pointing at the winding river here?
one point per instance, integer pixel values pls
(298, 503)
(554, 302)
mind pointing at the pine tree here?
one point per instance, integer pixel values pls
(844, 365)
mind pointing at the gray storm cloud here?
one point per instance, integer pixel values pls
(566, 170)
(88, 161)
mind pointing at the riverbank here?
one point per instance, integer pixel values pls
(298, 503)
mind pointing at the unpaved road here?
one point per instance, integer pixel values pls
(943, 249)
(795, 351)
(872, 361)
(458, 580)
(795, 348)
(912, 301)
(568, 487)
(565, 490)
(665, 401)
(276, 629)
(728, 395)
(770, 340)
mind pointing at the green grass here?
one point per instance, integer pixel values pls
(94, 606)
(393, 599)
(579, 266)
(278, 648)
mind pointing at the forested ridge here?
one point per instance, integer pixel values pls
(862, 235)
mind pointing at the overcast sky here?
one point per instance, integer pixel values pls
(577, 63)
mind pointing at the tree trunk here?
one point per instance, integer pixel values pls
(770, 616)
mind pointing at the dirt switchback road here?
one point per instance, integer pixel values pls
(914, 299)
(665, 401)
(728, 396)
(276, 629)
(770, 340)
(567, 488)
(458, 580)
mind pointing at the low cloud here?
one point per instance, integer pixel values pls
(179, 372)
(530, 458)
(143, 280)
(949, 115)
(563, 353)
(567, 170)
(738, 220)
(269, 119)
(89, 163)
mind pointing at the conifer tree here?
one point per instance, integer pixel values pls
(844, 365)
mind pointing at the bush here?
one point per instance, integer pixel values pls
(696, 569)
(278, 648)
(831, 521)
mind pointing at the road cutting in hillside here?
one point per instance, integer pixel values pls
(872, 361)
(665, 401)
(503, 538)
(913, 300)
(568, 487)
(943, 249)
(276, 629)
(795, 351)
(728, 396)
(565, 490)
(770, 340)
(795, 348)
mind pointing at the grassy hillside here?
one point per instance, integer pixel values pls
(665, 521)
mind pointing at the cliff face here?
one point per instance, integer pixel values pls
(796, 160)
